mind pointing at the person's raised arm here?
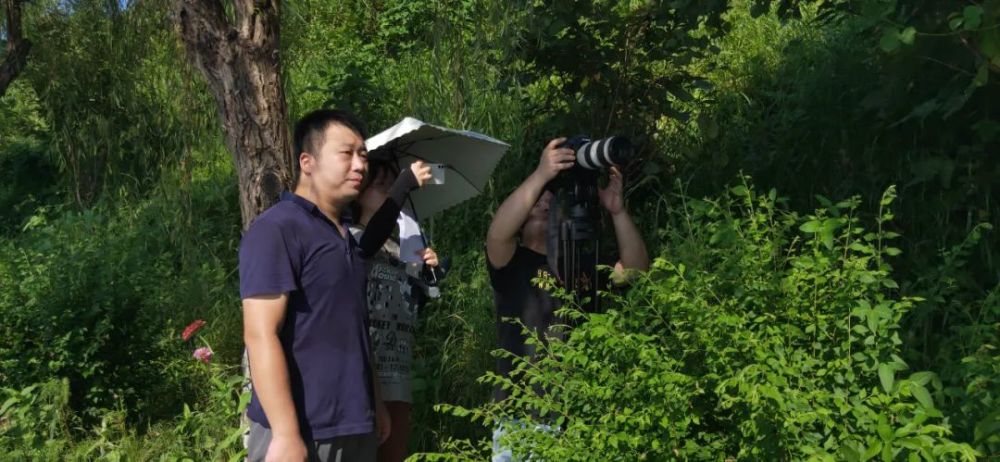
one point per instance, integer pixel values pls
(262, 319)
(382, 223)
(501, 239)
(631, 248)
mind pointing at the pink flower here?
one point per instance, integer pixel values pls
(203, 354)
(192, 328)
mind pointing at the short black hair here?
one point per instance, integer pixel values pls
(310, 130)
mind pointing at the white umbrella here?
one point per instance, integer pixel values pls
(470, 156)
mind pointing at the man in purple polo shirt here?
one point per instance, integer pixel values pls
(302, 281)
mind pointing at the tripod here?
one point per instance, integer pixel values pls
(574, 241)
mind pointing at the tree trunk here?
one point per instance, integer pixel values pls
(16, 56)
(240, 62)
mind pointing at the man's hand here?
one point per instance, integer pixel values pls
(611, 196)
(428, 255)
(421, 171)
(286, 449)
(555, 160)
(383, 422)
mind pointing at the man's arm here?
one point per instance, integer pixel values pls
(631, 248)
(381, 225)
(262, 319)
(501, 239)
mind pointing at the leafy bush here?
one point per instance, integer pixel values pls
(758, 334)
(965, 349)
(27, 177)
(37, 423)
(99, 297)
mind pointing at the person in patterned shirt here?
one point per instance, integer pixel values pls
(394, 296)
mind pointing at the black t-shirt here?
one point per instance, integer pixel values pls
(516, 297)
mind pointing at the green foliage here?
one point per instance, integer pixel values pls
(759, 334)
(37, 423)
(814, 107)
(35, 419)
(607, 67)
(455, 338)
(966, 354)
(116, 107)
(25, 168)
(98, 296)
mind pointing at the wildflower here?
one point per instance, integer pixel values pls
(203, 354)
(192, 328)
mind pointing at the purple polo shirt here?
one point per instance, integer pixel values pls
(293, 248)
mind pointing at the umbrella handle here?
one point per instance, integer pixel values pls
(413, 209)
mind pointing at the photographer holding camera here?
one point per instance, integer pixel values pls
(513, 262)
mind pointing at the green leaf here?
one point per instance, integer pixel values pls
(884, 431)
(922, 378)
(826, 235)
(989, 44)
(812, 226)
(892, 251)
(922, 395)
(890, 40)
(870, 451)
(982, 76)
(973, 15)
(849, 454)
(955, 22)
(886, 376)
(7, 405)
(987, 427)
(908, 35)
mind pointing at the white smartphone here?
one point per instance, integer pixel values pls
(437, 173)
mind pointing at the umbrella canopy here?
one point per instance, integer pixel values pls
(470, 156)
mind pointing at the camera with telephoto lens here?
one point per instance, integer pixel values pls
(576, 188)
(600, 154)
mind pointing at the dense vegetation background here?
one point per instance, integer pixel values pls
(815, 181)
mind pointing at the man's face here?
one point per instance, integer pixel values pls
(339, 166)
(538, 218)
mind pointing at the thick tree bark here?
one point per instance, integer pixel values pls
(16, 53)
(241, 64)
